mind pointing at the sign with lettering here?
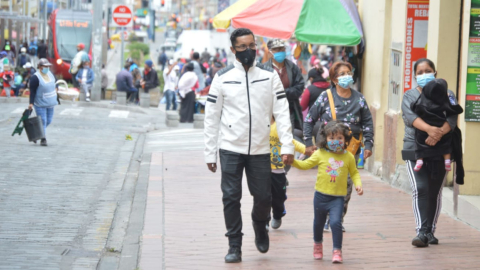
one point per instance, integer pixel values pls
(74, 23)
(122, 15)
(416, 39)
(472, 100)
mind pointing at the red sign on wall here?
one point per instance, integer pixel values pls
(416, 38)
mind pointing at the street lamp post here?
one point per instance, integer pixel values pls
(97, 49)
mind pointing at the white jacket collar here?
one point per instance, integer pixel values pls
(239, 65)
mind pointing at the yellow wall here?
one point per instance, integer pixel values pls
(470, 130)
(384, 22)
(376, 17)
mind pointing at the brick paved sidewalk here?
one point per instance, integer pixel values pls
(184, 226)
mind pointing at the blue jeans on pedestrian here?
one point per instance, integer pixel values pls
(46, 114)
(171, 99)
(333, 205)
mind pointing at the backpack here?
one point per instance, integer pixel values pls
(32, 51)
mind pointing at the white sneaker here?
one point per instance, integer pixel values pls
(87, 99)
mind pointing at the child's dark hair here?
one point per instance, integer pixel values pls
(333, 127)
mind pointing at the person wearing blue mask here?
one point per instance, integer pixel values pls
(351, 108)
(43, 95)
(291, 78)
(427, 185)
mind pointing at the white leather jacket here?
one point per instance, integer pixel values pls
(240, 106)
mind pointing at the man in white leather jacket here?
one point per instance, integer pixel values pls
(243, 98)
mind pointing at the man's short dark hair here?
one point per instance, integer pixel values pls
(238, 33)
(196, 55)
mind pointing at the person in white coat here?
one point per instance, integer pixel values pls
(242, 99)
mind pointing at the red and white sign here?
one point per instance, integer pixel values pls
(122, 15)
(415, 39)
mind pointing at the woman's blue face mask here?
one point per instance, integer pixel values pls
(425, 78)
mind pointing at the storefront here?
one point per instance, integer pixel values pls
(399, 32)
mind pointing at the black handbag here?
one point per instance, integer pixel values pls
(34, 128)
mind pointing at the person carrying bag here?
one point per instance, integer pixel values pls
(354, 144)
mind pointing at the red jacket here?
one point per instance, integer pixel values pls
(8, 78)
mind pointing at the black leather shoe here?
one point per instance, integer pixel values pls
(420, 240)
(43, 142)
(432, 240)
(234, 255)
(261, 237)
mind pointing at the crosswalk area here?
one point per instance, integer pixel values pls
(175, 140)
(78, 111)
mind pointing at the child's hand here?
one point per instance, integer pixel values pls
(359, 190)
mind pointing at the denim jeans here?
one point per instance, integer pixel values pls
(171, 100)
(86, 88)
(46, 114)
(332, 205)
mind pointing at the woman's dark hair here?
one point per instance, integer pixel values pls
(336, 66)
(422, 60)
(190, 67)
(316, 74)
(238, 33)
(333, 127)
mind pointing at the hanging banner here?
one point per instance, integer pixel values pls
(472, 100)
(416, 38)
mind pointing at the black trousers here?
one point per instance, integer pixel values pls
(257, 169)
(279, 195)
(426, 195)
(187, 108)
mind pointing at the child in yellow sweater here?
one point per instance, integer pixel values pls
(334, 165)
(278, 176)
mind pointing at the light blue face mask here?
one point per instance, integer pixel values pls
(280, 56)
(335, 146)
(345, 81)
(423, 79)
(45, 70)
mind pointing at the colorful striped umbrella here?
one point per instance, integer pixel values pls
(330, 22)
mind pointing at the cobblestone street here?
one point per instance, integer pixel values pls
(57, 203)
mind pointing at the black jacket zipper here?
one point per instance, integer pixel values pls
(250, 115)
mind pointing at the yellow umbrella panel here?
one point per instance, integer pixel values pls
(223, 19)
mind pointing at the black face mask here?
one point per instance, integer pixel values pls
(246, 57)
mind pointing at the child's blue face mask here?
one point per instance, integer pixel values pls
(336, 146)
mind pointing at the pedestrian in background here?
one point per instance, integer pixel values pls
(199, 70)
(335, 164)
(170, 79)
(23, 58)
(350, 107)
(42, 49)
(150, 77)
(124, 83)
(187, 85)
(427, 187)
(43, 95)
(104, 81)
(291, 77)
(32, 51)
(76, 63)
(162, 59)
(85, 77)
(8, 77)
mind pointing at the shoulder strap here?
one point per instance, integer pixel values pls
(332, 104)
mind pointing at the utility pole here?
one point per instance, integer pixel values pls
(151, 12)
(44, 36)
(97, 49)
